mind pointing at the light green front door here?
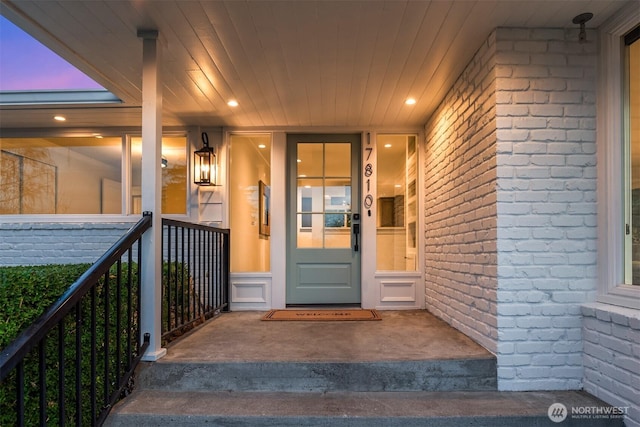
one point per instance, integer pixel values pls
(323, 253)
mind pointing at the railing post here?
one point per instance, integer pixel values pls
(151, 268)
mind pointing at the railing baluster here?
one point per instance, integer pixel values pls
(216, 245)
(139, 300)
(94, 358)
(179, 289)
(105, 397)
(61, 373)
(218, 265)
(182, 278)
(129, 305)
(118, 334)
(194, 287)
(42, 376)
(20, 395)
(168, 295)
(78, 364)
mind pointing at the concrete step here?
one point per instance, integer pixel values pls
(429, 375)
(355, 409)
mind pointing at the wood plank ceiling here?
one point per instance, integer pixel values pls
(288, 63)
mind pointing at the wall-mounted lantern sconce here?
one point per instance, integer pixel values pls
(204, 164)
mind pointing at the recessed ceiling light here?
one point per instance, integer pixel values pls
(232, 103)
(59, 118)
(410, 101)
(299, 160)
(387, 145)
(262, 146)
(398, 186)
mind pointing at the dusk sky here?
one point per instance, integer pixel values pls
(26, 64)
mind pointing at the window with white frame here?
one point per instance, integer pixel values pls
(619, 161)
(631, 129)
(84, 175)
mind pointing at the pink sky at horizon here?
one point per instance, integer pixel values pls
(28, 65)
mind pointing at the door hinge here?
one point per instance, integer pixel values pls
(627, 229)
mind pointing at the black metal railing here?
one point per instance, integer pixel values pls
(195, 275)
(73, 363)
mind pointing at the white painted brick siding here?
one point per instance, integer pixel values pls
(524, 168)
(546, 204)
(57, 243)
(460, 203)
(612, 356)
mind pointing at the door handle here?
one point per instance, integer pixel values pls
(356, 232)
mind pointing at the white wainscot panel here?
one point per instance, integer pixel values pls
(394, 291)
(250, 293)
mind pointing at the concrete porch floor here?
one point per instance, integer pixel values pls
(408, 370)
(399, 336)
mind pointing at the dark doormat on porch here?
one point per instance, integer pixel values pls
(322, 315)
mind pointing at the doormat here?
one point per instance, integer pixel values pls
(322, 315)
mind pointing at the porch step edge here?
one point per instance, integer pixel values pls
(429, 375)
(441, 409)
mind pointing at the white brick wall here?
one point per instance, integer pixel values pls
(56, 243)
(612, 356)
(546, 156)
(512, 148)
(460, 203)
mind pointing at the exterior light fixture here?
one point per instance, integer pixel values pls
(204, 164)
(581, 20)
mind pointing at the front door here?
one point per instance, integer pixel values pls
(323, 254)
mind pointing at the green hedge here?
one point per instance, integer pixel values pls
(25, 293)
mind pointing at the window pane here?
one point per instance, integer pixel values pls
(73, 175)
(397, 203)
(250, 159)
(633, 136)
(174, 175)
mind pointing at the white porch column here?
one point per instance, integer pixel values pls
(151, 268)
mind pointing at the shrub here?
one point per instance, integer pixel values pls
(25, 293)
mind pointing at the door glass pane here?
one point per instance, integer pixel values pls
(310, 159)
(324, 195)
(337, 206)
(396, 202)
(310, 195)
(338, 160)
(311, 235)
